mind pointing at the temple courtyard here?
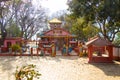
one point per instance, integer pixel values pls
(61, 68)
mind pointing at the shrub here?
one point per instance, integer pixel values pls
(27, 72)
(15, 47)
(85, 54)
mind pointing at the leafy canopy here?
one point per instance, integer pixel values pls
(104, 13)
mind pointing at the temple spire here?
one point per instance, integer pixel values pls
(55, 23)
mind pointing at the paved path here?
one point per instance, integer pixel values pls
(61, 68)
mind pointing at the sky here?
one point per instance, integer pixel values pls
(53, 5)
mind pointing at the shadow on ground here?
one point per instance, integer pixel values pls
(59, 58)
(110, 69)
(56, 58)
(6, 63)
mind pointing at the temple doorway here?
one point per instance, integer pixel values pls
(59, 44)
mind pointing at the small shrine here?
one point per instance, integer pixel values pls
(100, 50)
(57, 36)
(9, 41)
(13, 40)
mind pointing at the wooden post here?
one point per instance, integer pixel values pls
(20, 51)
(31, 51)
(110, 49)
(90, 53)
(0, 50)
(53, 50)
(37, 51)
(67, 45)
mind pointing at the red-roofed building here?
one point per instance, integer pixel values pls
(13, 40)
(9, 41)
(100, 50)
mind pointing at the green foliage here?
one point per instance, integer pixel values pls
(90, 30)
(101, 12)
(117, 40)
(83, 30)
(27, 73)
(15, 47)
(77, 28)
(69, 20)
(13, 31)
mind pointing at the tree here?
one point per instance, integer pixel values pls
(13, 30)
(5, 15)
(29, 19)
(77, 28)
(104, 13)
(23, 15)
(117, 40)
(90, 31)
(82, 30)
(7, 11)
(69, 20)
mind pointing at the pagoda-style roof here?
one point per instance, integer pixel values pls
(57, 32)
(55, 20)
(98, 41)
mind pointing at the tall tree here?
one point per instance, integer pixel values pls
(5, 15)
(69, 21)
(105, 13)
(13, 30)
(117, 40)
(29, 19)
(82, 30)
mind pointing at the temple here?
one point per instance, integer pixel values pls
(57, 36)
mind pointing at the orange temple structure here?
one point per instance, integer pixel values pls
(57, 36)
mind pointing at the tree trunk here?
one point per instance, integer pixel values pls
(3, 36)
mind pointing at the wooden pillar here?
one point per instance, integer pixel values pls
(67, 44)
(53, 52)
(90, 53)
(31, 51)
(0, 50)
(37, 51)
(110, 49)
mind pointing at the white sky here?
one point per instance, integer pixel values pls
(53, 5)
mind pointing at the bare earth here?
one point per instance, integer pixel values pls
(61, 68)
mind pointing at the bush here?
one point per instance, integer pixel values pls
(16, 47)
(27, 72)
(85, 54)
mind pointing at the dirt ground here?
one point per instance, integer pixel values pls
(61, 68)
